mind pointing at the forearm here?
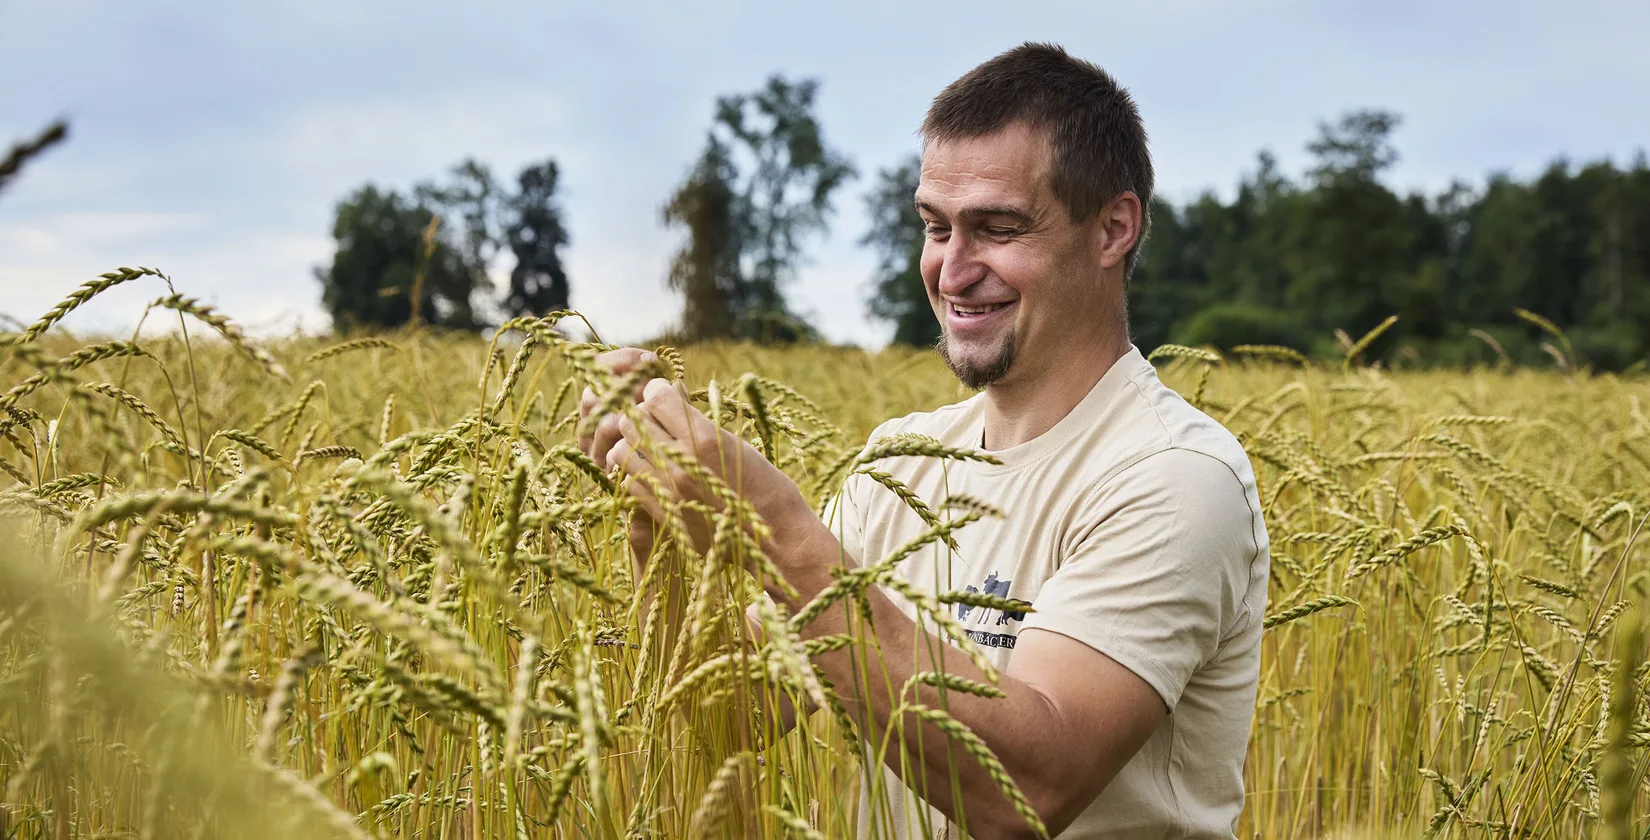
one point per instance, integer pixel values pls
(1022, 727)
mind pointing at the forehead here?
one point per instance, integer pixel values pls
(1008, 165)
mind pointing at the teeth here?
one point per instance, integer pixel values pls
(977, 310)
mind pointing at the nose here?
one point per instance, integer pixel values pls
(959, 265)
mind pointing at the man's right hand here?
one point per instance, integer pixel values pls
(597, 438)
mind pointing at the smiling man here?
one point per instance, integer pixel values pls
(1131, 524)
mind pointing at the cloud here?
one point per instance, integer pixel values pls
(346, 142)
(54, 235)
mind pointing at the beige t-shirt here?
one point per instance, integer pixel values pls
(1133, 526)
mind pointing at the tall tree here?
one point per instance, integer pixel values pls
(386, 256)
(1168, 280)
(1354, 246)
(706, 270)
(762, 186)
(535, 234)
(1358, 147)
(471, 205)
(896, 235)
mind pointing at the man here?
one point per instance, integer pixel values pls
(1131, 522)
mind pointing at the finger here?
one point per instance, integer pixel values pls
(587, 432)
(624, 458)
(644, 432)
(641, 533)
(624, 359)
(640, 476)
(603, 436)
(669, 407)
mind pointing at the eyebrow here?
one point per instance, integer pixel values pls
(982, 212)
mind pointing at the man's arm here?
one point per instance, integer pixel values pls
(1155, 570)
(1071, 717)
(1059, 692)
(1069, 720)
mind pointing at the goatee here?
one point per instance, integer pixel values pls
(979, 376)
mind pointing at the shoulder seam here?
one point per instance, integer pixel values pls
(1254, 515)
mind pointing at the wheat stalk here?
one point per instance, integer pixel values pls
(351, 346)
(1303, 610)
(959, 732)
(87, 291)
(225, 327)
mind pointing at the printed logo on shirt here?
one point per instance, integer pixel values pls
(992, 586)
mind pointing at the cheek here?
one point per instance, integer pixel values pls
(1019, 269)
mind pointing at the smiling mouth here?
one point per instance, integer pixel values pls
(976, 311)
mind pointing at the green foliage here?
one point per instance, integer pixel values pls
(1341, 251)
(469, 203)
(896, 234)
(535, 235)
(387, 269)
(1481, 346)
(762, 186)
(1611, 346)
(388, 254)
(1356, 148)
(1228, 325)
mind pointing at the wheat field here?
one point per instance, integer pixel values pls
(369, 588)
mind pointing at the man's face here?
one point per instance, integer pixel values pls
(1010, 277)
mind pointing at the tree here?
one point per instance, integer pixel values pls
(1358, 147)
(384, 238)
(1355, 249)
(1169, 280)
(760, 188)
(388, 255)
(471, 205)
(535, 234)
(706, 269)
(898, 293)
(1341, 251)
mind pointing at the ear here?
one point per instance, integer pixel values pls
(1117, 227)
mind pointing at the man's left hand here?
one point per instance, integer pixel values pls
(666, 418)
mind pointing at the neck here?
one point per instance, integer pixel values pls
(1022, 407)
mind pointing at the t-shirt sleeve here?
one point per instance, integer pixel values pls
(1156, 568)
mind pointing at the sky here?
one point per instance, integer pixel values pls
(213, 140)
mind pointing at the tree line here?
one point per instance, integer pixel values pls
(1473, 274)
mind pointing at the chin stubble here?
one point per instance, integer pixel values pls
(979, 376)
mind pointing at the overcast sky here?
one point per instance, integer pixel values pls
(212, 140)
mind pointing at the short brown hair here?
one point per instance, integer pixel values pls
(1099, 141)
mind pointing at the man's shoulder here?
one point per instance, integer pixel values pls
(1157, 421)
